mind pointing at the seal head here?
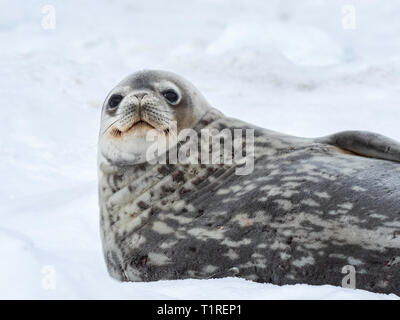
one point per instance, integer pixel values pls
(150, 100)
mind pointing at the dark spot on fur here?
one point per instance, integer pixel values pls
(200, 213)
(143, 260)
(117, 178)
(164, 170)
(178, 176)
(183, 191)
(167, 189)
(142, 205)
(197, 181)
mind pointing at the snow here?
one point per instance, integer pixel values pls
(287, 65)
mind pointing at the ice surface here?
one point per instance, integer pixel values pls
(289, 66)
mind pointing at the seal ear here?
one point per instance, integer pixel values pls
(365, 143)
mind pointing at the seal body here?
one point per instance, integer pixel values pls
(305, 211)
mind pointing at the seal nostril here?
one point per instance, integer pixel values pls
(140, 96)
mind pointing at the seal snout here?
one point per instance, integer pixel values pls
(139, 112)
(140, 96)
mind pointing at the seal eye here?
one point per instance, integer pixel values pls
(114, 101)
(170, 95)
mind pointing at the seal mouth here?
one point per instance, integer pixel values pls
(141, 124)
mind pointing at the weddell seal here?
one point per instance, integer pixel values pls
(186, 192)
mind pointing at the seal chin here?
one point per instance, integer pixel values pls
(131, 145)
(126, 150)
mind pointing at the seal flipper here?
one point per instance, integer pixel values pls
(365, 143)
